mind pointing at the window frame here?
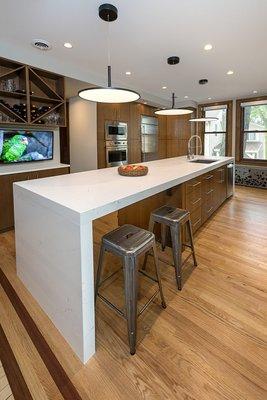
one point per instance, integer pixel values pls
(240, 132)
(229, 119)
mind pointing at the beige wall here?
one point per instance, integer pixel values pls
(83, 134)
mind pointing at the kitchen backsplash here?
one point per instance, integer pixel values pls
(251, 176)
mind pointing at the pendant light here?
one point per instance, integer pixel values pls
(204, 119)
(109, 94)
(173, 110)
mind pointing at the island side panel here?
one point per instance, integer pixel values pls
(54, 258)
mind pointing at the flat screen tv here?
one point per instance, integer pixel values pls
(18, 146)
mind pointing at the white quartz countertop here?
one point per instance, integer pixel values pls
(93, 194)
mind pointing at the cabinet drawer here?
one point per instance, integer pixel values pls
(193, 187)
(193, 200)
(207, 183)
(196, 218)
(208, 205)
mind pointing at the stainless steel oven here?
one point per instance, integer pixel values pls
(115, 130)
(116, 153)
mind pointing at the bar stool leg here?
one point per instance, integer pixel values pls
(189, 227)
(156, 262)
(130, 277)
(99, 270)
(177, 253)
(151, 229)
(163, 229)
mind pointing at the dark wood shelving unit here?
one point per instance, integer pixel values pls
(38, 97)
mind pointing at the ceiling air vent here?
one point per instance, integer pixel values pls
(41, 44)
(203, 81)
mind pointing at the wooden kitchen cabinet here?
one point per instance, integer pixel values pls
(111, 112)
(193, 201)
(6, 192)
(134, 151)
(6, 199)
(208, 195)
(220, 185)
(201, 196)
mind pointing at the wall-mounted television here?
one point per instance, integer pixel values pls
(18, 146)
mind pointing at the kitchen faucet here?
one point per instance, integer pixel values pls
(191, 155)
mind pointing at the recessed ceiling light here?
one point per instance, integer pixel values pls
(164, 87)
(208, 46)
(128, 73)
(255, 91)
(68, 45)
(230, 72)
(186, 97)
(209, 98)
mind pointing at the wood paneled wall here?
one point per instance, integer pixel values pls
(179, 130)
(174, 132)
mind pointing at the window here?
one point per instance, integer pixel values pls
(215, 132)
(254, 131)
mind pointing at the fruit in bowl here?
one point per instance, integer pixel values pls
(133, 170)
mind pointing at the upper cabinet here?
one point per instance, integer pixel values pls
(31, 96)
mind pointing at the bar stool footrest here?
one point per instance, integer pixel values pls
(147, 303)
(111, 305)
(110, 276)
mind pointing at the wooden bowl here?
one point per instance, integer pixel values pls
(133, 170)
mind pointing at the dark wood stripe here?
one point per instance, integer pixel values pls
(61, 379)
(14, 376)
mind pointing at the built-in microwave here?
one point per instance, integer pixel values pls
(115, 130)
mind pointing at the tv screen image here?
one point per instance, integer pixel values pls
(23, 146)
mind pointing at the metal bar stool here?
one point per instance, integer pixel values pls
(173, 218)
(129, 242)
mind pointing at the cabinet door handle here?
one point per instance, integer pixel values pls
(195, 184)
(210, 191)
(209, 210)
(197, 222)
(196, 201)
(209, 177)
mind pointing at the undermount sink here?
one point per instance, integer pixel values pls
(203, 161)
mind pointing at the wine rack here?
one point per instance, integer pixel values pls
(31, 96)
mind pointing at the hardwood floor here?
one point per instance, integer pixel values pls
(5, 390)
(209, 344)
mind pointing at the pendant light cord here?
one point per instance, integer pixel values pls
(173, 100)
(109, 63)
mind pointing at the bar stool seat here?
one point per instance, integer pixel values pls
(169, 215)
(173, 218)
(127, 239)
(129, 242)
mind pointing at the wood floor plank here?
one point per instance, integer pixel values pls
(210, 342)
(15, 380)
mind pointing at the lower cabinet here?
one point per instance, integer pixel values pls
(201, 196)
(6, 192)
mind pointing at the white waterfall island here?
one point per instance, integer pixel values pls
(54, 239)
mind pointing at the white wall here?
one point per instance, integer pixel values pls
(83, 134)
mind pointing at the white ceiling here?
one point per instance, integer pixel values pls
(145, 34)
